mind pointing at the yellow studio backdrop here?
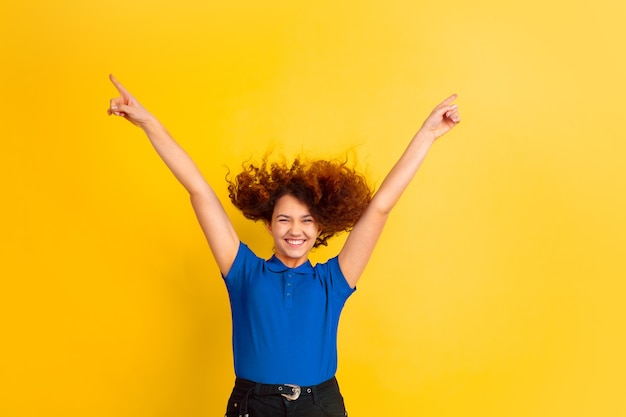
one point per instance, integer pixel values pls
(496, 289)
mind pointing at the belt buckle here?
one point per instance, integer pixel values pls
(295, 392)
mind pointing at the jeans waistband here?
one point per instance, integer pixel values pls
(291, 392)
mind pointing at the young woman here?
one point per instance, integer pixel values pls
(285, 311)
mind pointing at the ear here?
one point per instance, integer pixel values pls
(268, 225)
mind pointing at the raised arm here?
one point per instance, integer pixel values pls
(360, 243)
(216, 225)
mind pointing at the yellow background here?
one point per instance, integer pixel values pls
(496, 290)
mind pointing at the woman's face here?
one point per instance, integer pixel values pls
(294, 230)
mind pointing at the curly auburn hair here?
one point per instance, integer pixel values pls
(335, 193)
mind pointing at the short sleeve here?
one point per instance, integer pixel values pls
(243, 261)
(336, 280)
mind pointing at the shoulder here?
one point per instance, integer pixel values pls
(331, 266)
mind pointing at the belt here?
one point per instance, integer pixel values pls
(291, 392)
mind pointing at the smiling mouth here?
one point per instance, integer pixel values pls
(295, 242)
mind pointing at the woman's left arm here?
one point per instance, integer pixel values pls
(360, 243)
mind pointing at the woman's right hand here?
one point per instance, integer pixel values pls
(127, 106)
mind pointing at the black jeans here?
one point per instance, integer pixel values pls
(323, 400)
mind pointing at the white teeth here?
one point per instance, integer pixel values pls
(295, 242)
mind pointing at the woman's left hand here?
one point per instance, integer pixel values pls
(443, 118)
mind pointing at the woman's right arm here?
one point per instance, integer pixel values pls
(216, 225)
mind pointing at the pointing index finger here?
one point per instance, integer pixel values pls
(123, 91)
(448, 101)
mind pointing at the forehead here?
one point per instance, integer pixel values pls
(290, 206)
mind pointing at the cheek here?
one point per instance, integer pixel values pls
(275, 230)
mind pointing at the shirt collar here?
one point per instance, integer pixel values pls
(275, 265)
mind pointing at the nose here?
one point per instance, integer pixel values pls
(295, 230)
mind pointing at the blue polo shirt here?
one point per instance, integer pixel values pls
(285, 319)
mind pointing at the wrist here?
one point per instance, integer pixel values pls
(149, 124)
(424, 137)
